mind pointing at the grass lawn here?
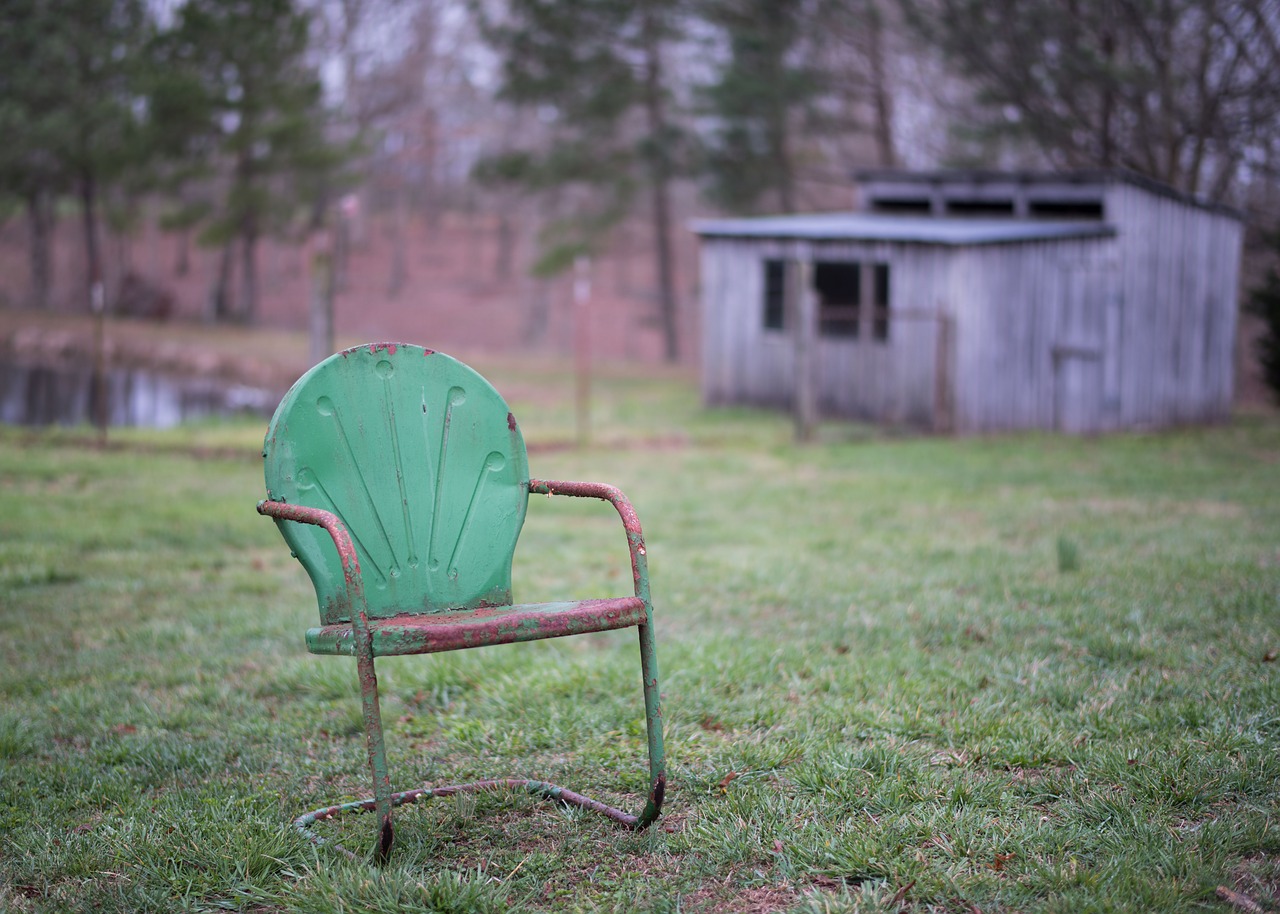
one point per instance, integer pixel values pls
(1021, 673)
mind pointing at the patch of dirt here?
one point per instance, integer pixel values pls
(1256, 880)
(715, 899)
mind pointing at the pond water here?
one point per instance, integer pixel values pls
(64, 395)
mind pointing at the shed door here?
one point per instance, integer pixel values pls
(1079, 351)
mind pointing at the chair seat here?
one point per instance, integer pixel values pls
(426, 633)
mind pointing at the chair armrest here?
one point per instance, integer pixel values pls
(337, 530)
(630, 521)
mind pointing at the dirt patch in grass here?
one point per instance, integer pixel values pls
(1255, 881)
(715, 899)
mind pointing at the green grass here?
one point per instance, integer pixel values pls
(1022, 673)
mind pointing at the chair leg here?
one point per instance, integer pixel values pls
(653, 720)
(377, 750)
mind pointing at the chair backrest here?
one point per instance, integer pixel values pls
(425, 465)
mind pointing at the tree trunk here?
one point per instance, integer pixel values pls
(780, 153)
(505, 250)
(40, 221)
(399, 228)
(779, 146)
(182, 266)
(97, 299)
(219, 306)
(321, 301)
(660, 188)
(1106, 153)
(880, 90)
(123, 262)
(664, 257)
(248, 311)
(343, 229)
(432, 204)
(92, 252)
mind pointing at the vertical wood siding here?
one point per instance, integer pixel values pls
(1179, 270)
(742, 362)
(1030, 335)
(890, 380)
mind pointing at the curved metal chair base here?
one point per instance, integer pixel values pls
(538, 788)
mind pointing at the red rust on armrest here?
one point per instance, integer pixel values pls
(450, 630)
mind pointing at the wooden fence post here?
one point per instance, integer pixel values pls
(805, 406)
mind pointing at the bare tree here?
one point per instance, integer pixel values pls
(1184, 91)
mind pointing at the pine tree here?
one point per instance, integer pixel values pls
(238, 100)
(68, 113)
(761, 97)
(595, 72)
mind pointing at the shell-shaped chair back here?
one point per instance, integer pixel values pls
(423, 462)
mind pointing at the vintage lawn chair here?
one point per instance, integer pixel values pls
(398, 477)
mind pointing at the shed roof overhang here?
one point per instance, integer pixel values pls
(902, 229)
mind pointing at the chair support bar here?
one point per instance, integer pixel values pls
(648, 653)
(537, 788)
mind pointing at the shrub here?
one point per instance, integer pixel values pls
(1264, 301)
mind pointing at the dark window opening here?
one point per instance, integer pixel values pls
(880, 303)
(839, 288)
(1066, 209)
(913, 206)
(980, 207)
(775, 295)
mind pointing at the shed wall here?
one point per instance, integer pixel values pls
(892, 380)
(1031, 347)
(1179, 269)
(1080, 335)
(741, 362)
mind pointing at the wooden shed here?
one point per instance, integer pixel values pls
(979, 301)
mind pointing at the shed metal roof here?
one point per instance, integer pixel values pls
(1098, 177)
(907, 229)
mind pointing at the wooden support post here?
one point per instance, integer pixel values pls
(943, 395)
(804, 330)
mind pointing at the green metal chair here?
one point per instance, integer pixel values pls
(399, 479)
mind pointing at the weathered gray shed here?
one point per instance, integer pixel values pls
(980, 302)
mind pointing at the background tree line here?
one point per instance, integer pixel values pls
(231, 120)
